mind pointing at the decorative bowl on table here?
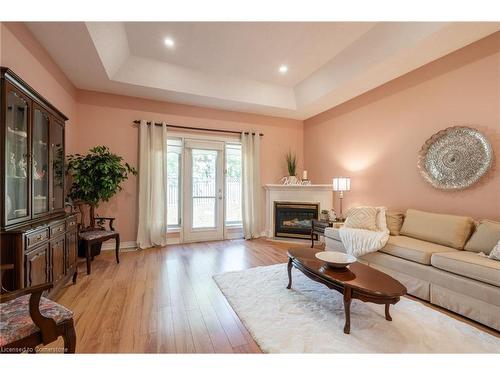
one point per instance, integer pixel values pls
(335, 259)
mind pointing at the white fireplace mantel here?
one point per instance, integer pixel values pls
(281, 187)
(321, 194)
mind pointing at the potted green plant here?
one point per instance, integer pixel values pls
(291, 164)
(96, 177)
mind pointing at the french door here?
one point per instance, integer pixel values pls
(203, 182)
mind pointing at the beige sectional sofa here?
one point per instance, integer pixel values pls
(437, 257)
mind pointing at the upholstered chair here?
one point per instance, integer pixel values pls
(91, 239)
(27, 320)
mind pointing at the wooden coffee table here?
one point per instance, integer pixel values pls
(356, 281)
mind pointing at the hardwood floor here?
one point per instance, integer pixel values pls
(165, 300)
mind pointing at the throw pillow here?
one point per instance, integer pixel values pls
(485, 237)
(394, 221)
(362, 218)
(495, 253)
(446, 230)
(380, 220)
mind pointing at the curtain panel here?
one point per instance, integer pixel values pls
(152, 225)
(251, 200)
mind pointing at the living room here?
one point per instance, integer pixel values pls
(266, 185)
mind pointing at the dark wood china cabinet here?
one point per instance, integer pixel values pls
(36, 233)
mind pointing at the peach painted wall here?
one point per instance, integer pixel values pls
(375, 138)
(107, 119)
(22, 53)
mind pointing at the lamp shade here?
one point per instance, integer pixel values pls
(341, 184)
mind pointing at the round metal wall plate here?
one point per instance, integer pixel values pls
(455, 158)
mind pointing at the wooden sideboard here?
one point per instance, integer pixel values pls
(37, 236)
(41, 253)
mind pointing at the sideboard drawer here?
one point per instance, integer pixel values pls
(57, 229)
(33, 239)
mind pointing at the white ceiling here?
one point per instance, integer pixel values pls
(248, 50)
(235, 65)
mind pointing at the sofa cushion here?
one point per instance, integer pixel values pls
(394, 222)
(485, 237)
(412, 249)
(469, 264)
(446, 230)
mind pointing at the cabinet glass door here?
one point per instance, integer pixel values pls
(57, 162)
(40, 164)
(16, 157)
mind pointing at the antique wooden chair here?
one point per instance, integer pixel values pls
(92, 238)
(27, 320)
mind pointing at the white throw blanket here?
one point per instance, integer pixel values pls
(359, 242)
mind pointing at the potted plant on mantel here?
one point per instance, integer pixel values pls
(291, 164)
(95, 178)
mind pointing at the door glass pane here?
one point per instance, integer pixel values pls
(203, 212)
(57, 155)
(204, 179)
(233, 184)
(40, 162)
(16, 157)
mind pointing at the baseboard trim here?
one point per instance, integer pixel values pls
(132, 245)
(124, 246)
(173, 241)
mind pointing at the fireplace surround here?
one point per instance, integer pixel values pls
(293, 219)
(314, 193)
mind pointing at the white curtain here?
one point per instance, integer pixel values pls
(250, 148)
(152, 227)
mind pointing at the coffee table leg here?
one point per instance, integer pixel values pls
(289, 273)
(347, 309)
(387, 315)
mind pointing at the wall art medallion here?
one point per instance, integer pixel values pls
(455, 158)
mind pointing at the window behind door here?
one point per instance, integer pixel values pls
(174, 152)
(233, 184)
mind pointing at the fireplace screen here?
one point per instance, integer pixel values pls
(293, 219)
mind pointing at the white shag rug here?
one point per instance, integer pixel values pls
(309, 318)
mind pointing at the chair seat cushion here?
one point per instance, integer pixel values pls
(412, 249)
(96, 234)
(16, 322)
(469, 264)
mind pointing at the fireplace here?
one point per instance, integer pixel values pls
(293, 219)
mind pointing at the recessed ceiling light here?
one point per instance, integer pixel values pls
(169, 42)
(283, 69)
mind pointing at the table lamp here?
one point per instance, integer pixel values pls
(341, 184)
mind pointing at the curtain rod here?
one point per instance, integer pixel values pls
(137, 122)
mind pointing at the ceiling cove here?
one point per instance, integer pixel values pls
(239, 66)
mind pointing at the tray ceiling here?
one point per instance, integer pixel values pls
(235, 65)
